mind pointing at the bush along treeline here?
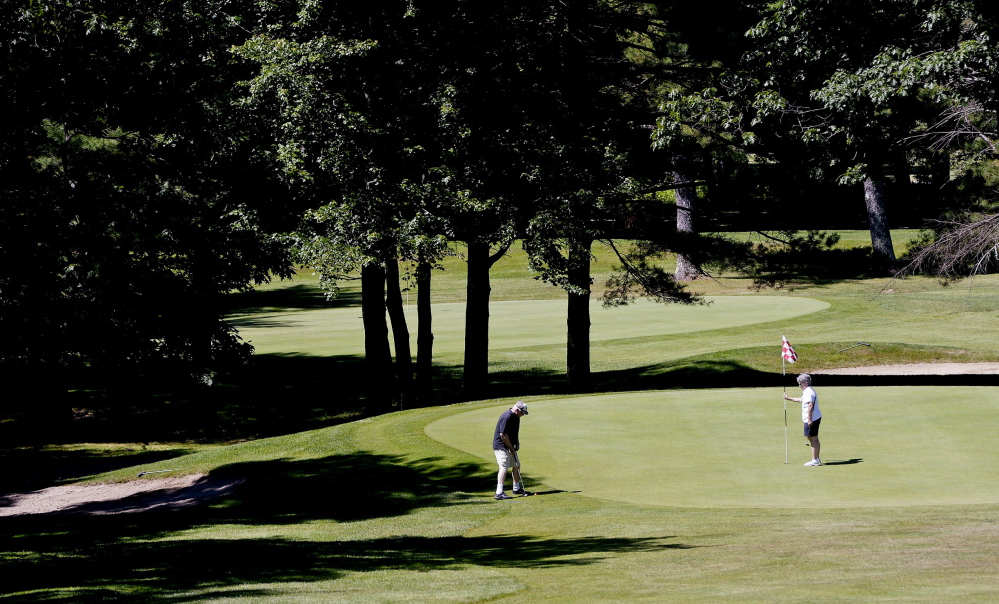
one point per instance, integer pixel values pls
(155, 158)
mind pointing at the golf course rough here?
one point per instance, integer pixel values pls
(898, 446)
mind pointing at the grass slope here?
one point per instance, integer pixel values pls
(378, 511)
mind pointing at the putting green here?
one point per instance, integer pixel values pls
(516, 324)
(725, 448)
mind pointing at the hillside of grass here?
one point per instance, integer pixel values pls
(377, 511)
(380, 509)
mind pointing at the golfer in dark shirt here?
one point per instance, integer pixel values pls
(506, 443)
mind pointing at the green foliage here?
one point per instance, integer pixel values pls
(789, 257)
(125, 218)
(507, 121)
(703, 114)
(860, 79)
(641, 272)
(149, 151)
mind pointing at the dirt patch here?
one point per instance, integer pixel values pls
(917, 369)
(142, 495)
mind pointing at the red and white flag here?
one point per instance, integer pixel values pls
(787, 352)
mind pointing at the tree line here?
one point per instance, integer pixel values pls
(156, 157)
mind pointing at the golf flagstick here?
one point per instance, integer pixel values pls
(787, 353)
(783, 363)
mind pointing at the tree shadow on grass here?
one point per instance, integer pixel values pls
(165, 570)
(666, 376)
(99, 558)
(285, 393)
(687, 375)
(272, 395)
(677, 375)
(293, 297)
(352, 487)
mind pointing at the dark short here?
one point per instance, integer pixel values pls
(812, 430)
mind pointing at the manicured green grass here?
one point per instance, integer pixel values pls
(378, 511)
(891, 313)
(517, 324)
(725, 448)
(912, 320)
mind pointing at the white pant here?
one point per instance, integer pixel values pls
(505, 459)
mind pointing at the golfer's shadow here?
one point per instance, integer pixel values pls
(842, 462)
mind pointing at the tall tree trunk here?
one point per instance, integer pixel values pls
(877, 216)
(578, 321)
(476, 369)
(377, 354)
(686, 207)
(400, 335)
(424, 335)
(475, 378)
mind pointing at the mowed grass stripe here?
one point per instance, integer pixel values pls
(516, 324)
(725, 447)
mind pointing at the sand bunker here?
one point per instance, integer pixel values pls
(119, 498)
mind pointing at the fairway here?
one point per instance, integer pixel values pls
(516, 324)
(725, 448)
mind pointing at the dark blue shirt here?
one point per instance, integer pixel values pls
(509, 424)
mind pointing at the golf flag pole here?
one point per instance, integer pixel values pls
(787, 355)
(783, 366)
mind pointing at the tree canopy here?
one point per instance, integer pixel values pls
(125, 213)
(154, 158)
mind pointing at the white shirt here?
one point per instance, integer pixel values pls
(808, 396)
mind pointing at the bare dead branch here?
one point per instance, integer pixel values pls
(965, 248)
